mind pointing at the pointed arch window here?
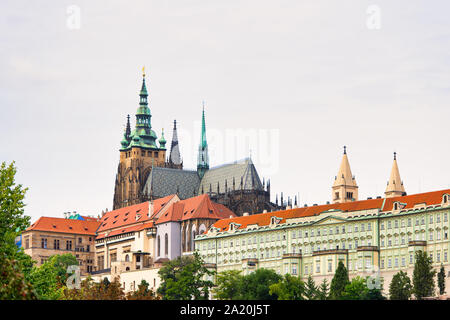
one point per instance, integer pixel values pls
(159, 246)
(166, 244)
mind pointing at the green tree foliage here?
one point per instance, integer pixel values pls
(441, 280)
(288, 288)
(103, 290)
(255, 286)
(310, 289)
(13, 285)
(423, 276)
(357, 289)
(339, 282)
(15, 265)
(12, 218)
(184, 279)
(49, 279)
(400, 287)
(142, 293)
(227, 285)
(323, 290)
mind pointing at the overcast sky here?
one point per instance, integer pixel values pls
(303, 78)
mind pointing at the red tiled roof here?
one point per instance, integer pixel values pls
(428, 198)
(116, 232)
(200, 207)
(127, 215)
(87, 227)
(263, 219)
(125, 220)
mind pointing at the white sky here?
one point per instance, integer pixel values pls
(311, 74)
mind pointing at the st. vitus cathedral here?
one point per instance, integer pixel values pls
(144, 173)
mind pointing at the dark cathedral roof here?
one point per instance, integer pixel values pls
(165, 181)
(243, 170)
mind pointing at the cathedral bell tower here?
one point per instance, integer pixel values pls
(395, 186)
(344, 188)
(203, 157)
(139, 152)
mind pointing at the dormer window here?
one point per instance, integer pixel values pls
(234, 226)
(138, 216)
(398, 206)
(445, 199)
(275, 220)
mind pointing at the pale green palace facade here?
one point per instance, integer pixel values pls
(377, 234)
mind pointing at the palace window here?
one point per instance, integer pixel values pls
(56, 244)
(396, 223)
(44, 243)
(369, 227)
(438, 218)
(69, 245)
(445, 199)
(382, 226)
(403, 261)
(431, 219)
(389, 226)
(343, 229)
(362, 227)
(409, 222)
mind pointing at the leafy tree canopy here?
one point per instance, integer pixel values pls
(185, 278)
(227, 285)
(423, 276)
(339, 282)
(288, 288)
(400, 287)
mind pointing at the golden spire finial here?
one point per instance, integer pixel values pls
(143, 71)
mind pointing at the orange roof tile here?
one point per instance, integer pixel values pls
(428, 198)
(62, 225)
(134, 214)
(263, 219)
(200, 207)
